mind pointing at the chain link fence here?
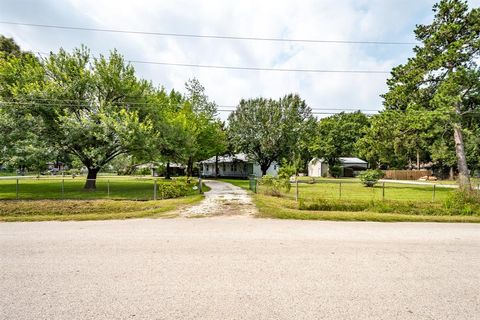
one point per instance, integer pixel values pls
(355, 190)
(121, 188)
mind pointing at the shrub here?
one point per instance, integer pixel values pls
(336, 171)
(273, 186)
(286, 171)
(370, 177)
(175, 189)
(145, 171)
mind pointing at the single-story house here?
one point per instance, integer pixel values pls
(351, 167)
(235, 166)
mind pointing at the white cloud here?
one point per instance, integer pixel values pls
(335, 20)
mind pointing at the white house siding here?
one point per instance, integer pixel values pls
(236, 166)
(317, 169)
(272, 170)
(228, 169)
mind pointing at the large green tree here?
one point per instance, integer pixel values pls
(443, 76)
(269, 130)
(336, 136)
(396, 139)
(205, 136)
(20, 145)
(92, 108)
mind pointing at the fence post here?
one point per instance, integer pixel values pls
(383, 191)
(200, 185)
(63, 188)
(433, 195)
(340, 190)
(17, 189)
(296, 189)
(108, 188)
(155, 189)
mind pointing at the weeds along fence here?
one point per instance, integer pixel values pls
(355, 190)
(117, 188)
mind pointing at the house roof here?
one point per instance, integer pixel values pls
(343, 160)
(349, 160)
(239, 157)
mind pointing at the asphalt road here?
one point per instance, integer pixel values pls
(239, 268)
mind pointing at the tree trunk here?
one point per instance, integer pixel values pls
(91, 183)
(463, 174)
(418, 160)
(216, 166)
(167, 173)
(264, 168)
(190, 167)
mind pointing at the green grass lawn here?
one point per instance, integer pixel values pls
(245, 184)
(115, 198)
(283, 208)
(63, 210)
(131, 188)
(358, 203)
(354, 190)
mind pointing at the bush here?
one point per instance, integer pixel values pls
(145, 171)
(335, 171)
(286, 171)
(370, 177)
(174, 189)
(273, 186)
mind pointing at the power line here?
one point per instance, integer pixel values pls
(54, 103)
(221, 108)
(249, 68)
(259, 68)
(224, 37)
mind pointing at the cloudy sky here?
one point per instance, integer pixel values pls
(354, 20)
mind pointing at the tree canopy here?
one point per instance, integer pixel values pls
(443, 76)
(96, 109)
(270, 130)
(336, 136)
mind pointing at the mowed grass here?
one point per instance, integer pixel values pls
(354, 190)
(115, 198)
(402, 202)
(63, 210)
(283, 208)
(245, 184)
(120, 188)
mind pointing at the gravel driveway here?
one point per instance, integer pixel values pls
(237, 268)
(224, 199)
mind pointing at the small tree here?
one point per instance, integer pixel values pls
(335, 171)
(370, 177)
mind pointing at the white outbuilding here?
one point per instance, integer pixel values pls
(351, 167)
